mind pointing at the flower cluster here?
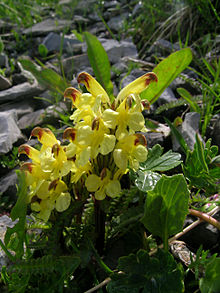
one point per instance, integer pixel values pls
(100, 147)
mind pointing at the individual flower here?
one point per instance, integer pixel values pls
(50, 196)
(127, 118)
(103, 185)
(96, 138)
(130, 151)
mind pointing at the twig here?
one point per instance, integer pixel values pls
(205, 217)
(102, 284)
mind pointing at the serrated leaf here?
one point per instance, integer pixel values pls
(211, 282)
(145, 180)
(167, 70)
(166, 206)
(99, 61)
(142, 273)
(156, 162)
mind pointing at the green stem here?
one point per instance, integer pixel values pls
(99, 260)
(9, 255)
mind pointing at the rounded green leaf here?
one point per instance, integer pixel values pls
(166, 206)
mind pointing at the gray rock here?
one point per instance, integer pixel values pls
(39, 117)
(8, 184)
(138, 9)
(9, 131)
(5, 222)
(3, 60)
(167, 96)
(18, 78)
(116, 23)
(48, 25)
(188, 129)
(117, 50)
(20, 91)
(31, 120)
(53, 43)
(97, 28)
(20, 108)
(4, 83)
(163, 47)
(75, 64)
(111, 4)
(216, 132)
(154, 138)
(187, 82)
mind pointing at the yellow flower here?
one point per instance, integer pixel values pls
(50, 196)
(45, 136)
(103, 185)
(127, 118)
(96, 138)
(130, 151)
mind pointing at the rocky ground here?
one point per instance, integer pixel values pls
(20, 111)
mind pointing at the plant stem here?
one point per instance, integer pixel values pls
(99, 260)
(205, 217)
(99, 227)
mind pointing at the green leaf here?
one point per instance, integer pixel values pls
(199, 147)
(189, 98)
(211, 282)
(99, 61)
(145, 180)
(167, 70)
(43, 51)
(78, 35)
(45, 76)
(166, 206)
(18, 212)
(156, 162)
(142, 273)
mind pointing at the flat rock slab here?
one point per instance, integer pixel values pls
(20, 91)
(46, 26)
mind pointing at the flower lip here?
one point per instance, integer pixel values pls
(71, 93)
(83, 77)
(56, 149)
(151, 76)
(27, 167)
(24, 149)
(140, 139)
(69, 133)
(37, 131)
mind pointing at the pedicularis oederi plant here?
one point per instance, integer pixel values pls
(99, 191)
(103, 144)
